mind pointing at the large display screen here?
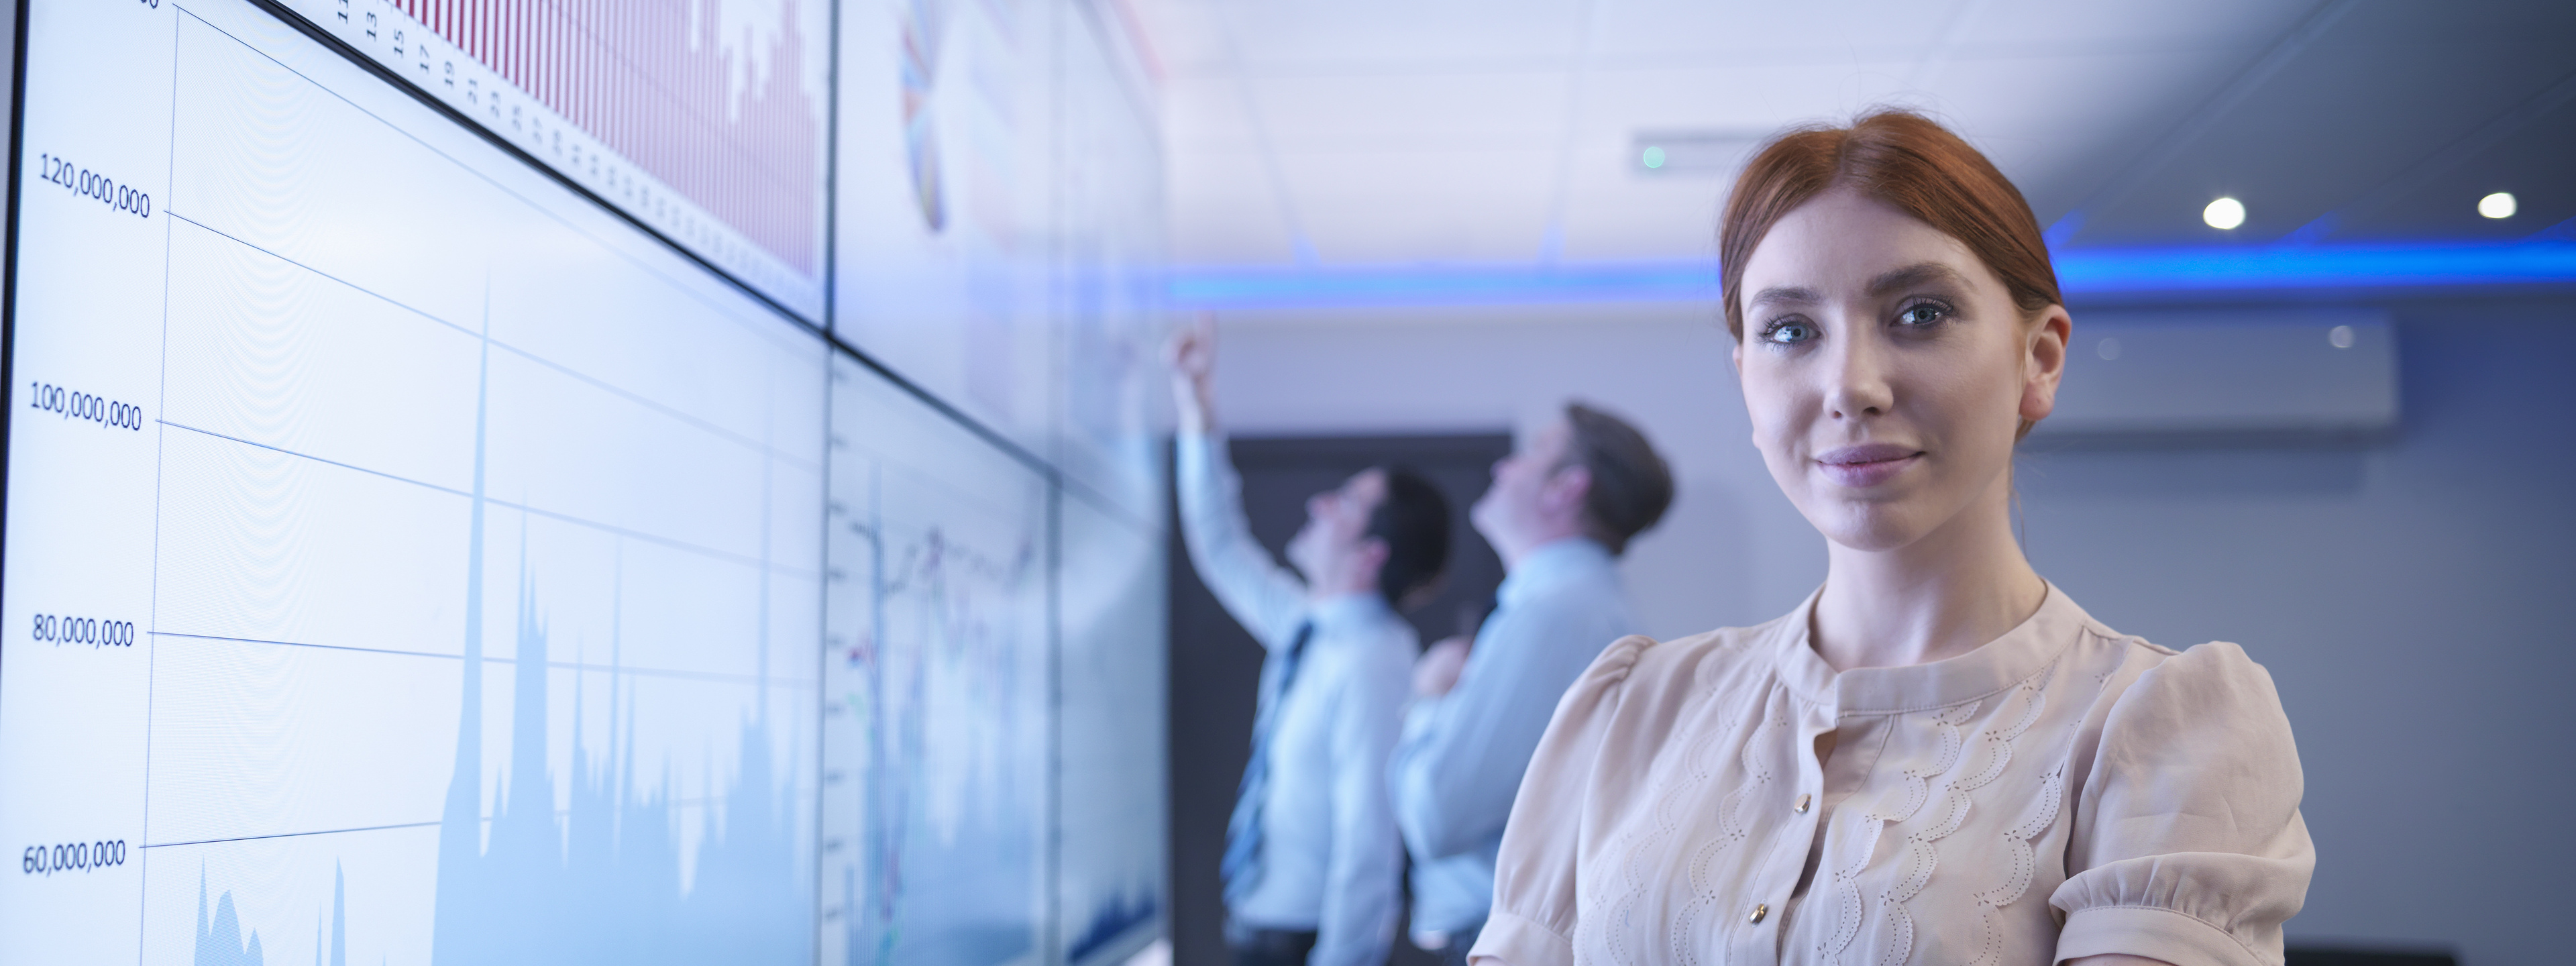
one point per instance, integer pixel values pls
(438, 530)
(434, 577)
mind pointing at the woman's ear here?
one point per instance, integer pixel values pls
(2044, 362)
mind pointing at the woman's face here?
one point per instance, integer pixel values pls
(1887, 370)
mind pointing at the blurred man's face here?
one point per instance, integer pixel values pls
(1334, 544)
(1515, 506)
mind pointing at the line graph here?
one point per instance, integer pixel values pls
(936, 709)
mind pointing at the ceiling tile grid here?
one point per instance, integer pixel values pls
(1342, 133)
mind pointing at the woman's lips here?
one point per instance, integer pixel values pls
(1867, 465)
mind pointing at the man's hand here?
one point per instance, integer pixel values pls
(1192, 356)
(1436, 671)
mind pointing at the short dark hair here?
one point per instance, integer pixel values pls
(1413, 521)
(1631, 486)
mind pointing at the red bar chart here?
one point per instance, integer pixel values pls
(705, 119)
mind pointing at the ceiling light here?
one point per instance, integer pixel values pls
(1693, 151)
(2497, 205)
(2224, 214)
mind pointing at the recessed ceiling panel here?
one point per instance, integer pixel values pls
(1406, 112)
(1423, 206)
(1223, 210)
(1412, 35)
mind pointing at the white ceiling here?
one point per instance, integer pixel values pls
(1408, 132)
(1374, 132)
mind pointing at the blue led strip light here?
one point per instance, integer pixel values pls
(2339, 266)
(1592, 282)
(2081, 271)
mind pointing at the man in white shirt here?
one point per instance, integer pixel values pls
(1313, 862)
(1560, 511)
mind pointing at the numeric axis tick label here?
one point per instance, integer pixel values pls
(74, 404)
(86, 183)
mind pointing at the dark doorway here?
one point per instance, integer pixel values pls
(1215, 666)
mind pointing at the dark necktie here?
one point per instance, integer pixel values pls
(1242, 865)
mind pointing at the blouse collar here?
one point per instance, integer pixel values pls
(1993, 666)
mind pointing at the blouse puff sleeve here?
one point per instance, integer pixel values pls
(2187, 845)
(1532, 923)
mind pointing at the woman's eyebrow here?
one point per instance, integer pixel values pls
(1913, 275)
(1784, 295)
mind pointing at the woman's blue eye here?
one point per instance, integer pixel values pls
(1786, 333)
(1924, 314)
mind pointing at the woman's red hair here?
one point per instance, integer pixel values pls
(1906, 160)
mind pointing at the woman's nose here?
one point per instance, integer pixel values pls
(1858, 383)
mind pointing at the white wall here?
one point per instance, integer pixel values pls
(2405, 596)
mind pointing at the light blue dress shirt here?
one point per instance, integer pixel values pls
(1460, 761)
(1330, 859)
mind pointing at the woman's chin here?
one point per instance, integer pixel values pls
(1871, 526)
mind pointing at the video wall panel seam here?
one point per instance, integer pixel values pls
(832, 179)
(9, 242)
(1055, 715)
(1055, 475)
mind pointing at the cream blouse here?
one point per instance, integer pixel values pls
(2059, 792)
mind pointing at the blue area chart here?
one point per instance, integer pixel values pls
(220, 942)
(520, 880)
(602, 883)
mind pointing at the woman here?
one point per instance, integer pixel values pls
(1938, 758)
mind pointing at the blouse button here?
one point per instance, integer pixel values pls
(1759, 910)
(1801, 807)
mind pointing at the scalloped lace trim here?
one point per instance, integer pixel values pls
(1956, 799)
(2037, 819)
(1616, 928)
